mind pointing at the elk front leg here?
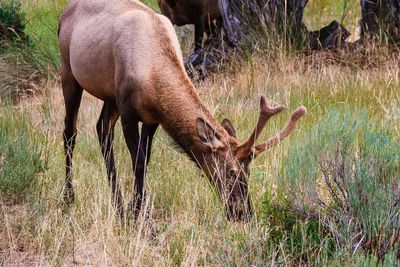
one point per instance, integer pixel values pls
(105, 131)
(72, 97)
(130, 127)
(142, 160)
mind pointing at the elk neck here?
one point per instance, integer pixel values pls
(178, 110)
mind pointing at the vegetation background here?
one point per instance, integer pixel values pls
(328, 195)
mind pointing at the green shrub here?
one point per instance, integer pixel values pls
(345, 174)
(12, 24)
(303, 239)
(18, 70)
(24, 66)
(389, 260)
(42, 30)
(20, 157)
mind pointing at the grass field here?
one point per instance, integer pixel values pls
(186, 224)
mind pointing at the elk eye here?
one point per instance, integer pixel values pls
(232, 172)
(251, 156)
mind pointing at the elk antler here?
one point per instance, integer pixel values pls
(296, 115)
(265, 114)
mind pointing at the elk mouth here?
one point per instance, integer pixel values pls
(239, 212)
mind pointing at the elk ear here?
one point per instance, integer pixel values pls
(227, 124)
(208, 135)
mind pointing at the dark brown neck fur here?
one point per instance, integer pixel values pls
(178, 111)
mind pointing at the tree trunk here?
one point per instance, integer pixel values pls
(248, 21)
(247, 24)
(380, 18)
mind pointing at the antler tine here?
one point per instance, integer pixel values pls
(265, 114)
(296, 115)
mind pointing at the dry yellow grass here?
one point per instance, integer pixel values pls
(186, 225)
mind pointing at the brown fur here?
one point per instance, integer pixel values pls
(128, 56)
(201, 13)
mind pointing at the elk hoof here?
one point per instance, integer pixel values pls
(68, 196)
(134, 209)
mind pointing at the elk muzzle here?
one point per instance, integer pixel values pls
(239, 210)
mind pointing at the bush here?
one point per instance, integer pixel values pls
(303, 239)
(42, 30)
(18, 69)
(12, 24)
(345, 174)
(20, 157)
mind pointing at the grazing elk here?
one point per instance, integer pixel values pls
(201, 13)
(128, 56)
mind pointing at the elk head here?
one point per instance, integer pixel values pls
(227, 161)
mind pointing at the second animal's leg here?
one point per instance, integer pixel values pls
(142, 160)
(105, 130)
(72, 92)
(198, 34)
(213, 28)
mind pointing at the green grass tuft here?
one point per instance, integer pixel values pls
(20, 157)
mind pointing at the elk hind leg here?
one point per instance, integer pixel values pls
(72, 92)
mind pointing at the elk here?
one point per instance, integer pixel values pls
(125, 54)
(201, 13)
